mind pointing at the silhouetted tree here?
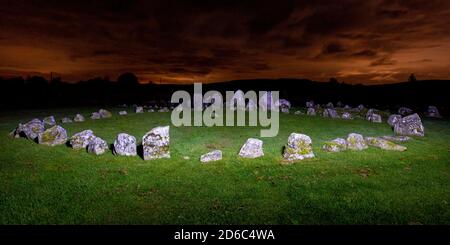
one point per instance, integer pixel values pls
(128, 80)
(333, 80)
(412, 78)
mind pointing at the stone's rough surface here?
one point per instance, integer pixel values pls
(347, 107)
(104, 113)
(384, 144)
(376, 118)
(139, 109)
(66, 120)
(298, 113)
(284, 110)
(360, 107)
(266, 101)
(404, 111)
(123, 113)
(433, 112)
(335, 145)
(330, 113)
(410, 125)
(369, 114)
(284, 105)
(55, 135)
(211, 156)
(125, 145)
(96, 115)
(30, 130)
(329, 105)
(79, 118)
(252, 148)
(50, 121)
(311, 112)
(97, 146)
(356, 142)
(393, 119)
(396, 138)
(82, 139)
(310, 104)
(346, 115)
(156, 143)
(298, 147)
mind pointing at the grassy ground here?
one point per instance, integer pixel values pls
(57, 185)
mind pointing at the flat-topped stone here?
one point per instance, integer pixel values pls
(252, 148)
(211, 156)
(298, 147)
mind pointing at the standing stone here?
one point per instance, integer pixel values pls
(346, 115)
(96, 116)
(299, 147)
(104, 113)
(125, 145)
(156, 143)
(404, 111)
(328, 112)
(329, 105)
(123, 113)
(55, 135)
(410, 125)
(339, 104)
(347, 107)
(211, 156)
(396, 138)
(30, 130)
(376, 118)
(310, 104)
(284, 105)
(252, 148)
(335, 145)
(79, 118)
(311, 112)
(360, 107)
(139, 109)
(356, 142)
(97, 146)
(50, 121)
(433, 112)
(82, 139)
(384, 144)
(66, 120)
(393, 119)
(369, 114)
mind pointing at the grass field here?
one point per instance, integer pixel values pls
(57, 185)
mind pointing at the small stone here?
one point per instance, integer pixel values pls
(211, 156)
(96, 116)
(404, 111)
(82, 139)
(299, 147)
(151, 110)
(123, 113)
(104, 113)
(410, 125)
(30, 130)
(329, 105)
(156, 143)
(139, 109)
(298, 113)
(66, 120)
(97, 146)
(347, 116)
(252, 148)
(186, 158)
(50, 121)
(396, 138)
(125, 145)
(311, 112)
(328, 112)
(79, 118)
(55, 135)
(310, 104)
(376, 118)
(356, 142)
(433, 112)
(384, 144)
(335, 145)
(164, 109)
(393, 119)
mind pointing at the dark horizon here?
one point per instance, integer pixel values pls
(179, 42)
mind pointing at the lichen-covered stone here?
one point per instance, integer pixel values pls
(139, 109)
(96, 116)
(433, 112)
(346, 115)
(156, 143)
(396, 138)
(311, 111)
(384, 144)
(55, 135)
(356, 142)
(123, 113)
(405, 111)
(252, 148)
(97, 146)
(104, 113)
(30, 130)
(125, 145)
(211, 156)
(410, 125)
(66, 120)
(298, 147)
(82, 139)
(335, 145)
(79, 118)
(393, 119)
(50, 121)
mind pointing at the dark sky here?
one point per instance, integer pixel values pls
(371, 41)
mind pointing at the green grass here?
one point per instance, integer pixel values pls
(57, 185)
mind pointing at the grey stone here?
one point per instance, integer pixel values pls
(284, 104)
(82, 139)
(211, 156)
(30, 130)
(123, 113)
(97, 146)
(346, 115)
(66, 120)
(156, 143)
(151, 110)
(125, 145)
(164, 109)
(79, 118)
(298, 147)
(311, 112)
(384, 144)
(405, 111)
(329, 105)
(376, 118)
(252, 148)
(329, 112)
(339, 104)
(410, 125)
(310, 104)
(104, 113)
(55, 135)
(50, 121)
(335, 145)
(298, 113)
(360, 107)
(139, 109)
(393, 119)
(356, 142)
(433, 112)
(396, 138)
(96, 116)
